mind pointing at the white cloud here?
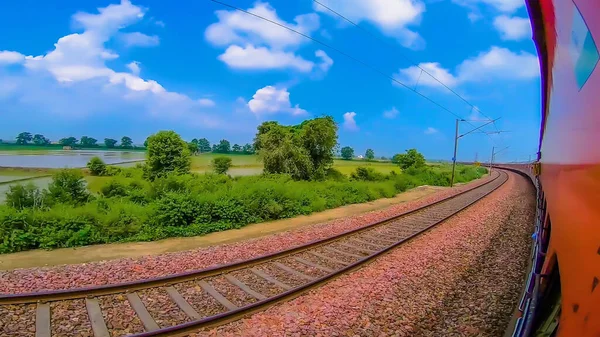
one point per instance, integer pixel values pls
(512, 28)
(237, 27)
(250, 57)
(430, 131)
(159, 23)
(134, 67)
(206, 102)
(391, 114)
(266, 46)
(270, 100)
(349, 122)
(47, 81)
(10, 57)
(413, 75)
(137, 39)
(391, 16)
(326, 61)
(499, 63)
(495, 64)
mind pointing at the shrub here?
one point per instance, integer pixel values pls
(221, 164)
(96, 166)
(112, 171)
(68, 186)
(167, 153)
(114, 188)
(366, 174)
(19, 196)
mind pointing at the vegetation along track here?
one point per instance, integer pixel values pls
(178, 304)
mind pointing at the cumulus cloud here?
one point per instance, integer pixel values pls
(10, 57)
(512, 28)
(391, 16)
(137, 39)
(235, 27)
(270, 100)
(430, 131)
(391, 114)
(349, 122)
(250, 57)
(80, 58)
(253, 43)
(134, 67)
(495, 64)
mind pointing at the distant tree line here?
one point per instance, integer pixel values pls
(412, 157)
(224, 146)
(201, 145)
(26, 138)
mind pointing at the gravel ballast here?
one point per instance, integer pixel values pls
(462, 278)
(125, 270)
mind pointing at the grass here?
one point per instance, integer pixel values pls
(349, 166)
(203, 161)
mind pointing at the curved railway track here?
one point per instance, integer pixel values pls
(179, 304)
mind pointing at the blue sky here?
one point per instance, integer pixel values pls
(110, 68)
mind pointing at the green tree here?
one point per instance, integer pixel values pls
(319, 137)
(69, 141)
(24, 138)
(304, 151)
(370, 154)
(223, 147)
(97, 166)
(68, 186)
(126, 142)
(146, 143)
(203, 145)
(221, 164)
(28, 196)
(215, 148)
(167, 153)
(264, 128)
(248, 149)
(40, 140)
(110, 143)
(193, 147)
(88, 141)
(412, 158)
(347, 153)
(236, 148)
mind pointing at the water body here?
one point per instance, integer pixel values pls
(67, 158)
(41, 182)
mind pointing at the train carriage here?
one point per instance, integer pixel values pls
(562, 295)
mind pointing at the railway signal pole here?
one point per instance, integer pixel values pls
(456, 137)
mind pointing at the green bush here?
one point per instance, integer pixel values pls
(167, 153)
(68, 186)
(19, 196)
(111, 171)
(96, 166)
(221, 164)
(367, 174)
(133, 209)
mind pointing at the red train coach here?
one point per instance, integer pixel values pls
(562, 295)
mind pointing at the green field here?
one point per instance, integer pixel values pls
(203, 161)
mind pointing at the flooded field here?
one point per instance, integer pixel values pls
(65, 158)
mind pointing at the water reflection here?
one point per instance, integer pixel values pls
(69, 159)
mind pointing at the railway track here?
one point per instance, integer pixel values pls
(179, 304)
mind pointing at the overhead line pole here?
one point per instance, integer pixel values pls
(456, 137)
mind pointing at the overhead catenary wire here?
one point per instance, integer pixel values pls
(473, 107)
(341, 52)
